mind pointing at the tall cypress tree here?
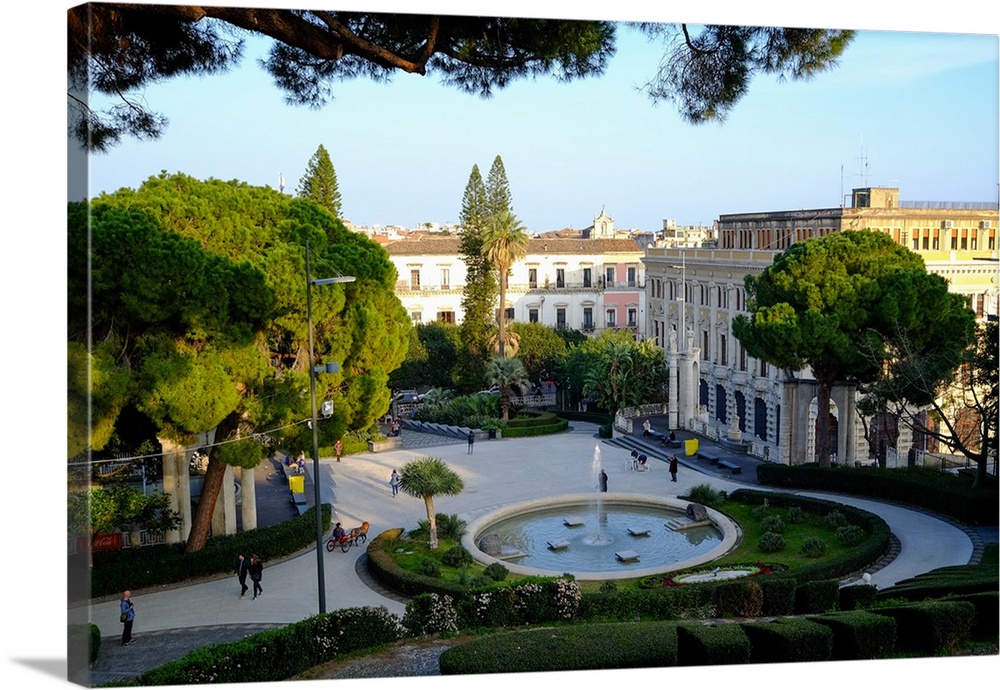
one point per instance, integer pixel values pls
(480, 285)
(320, 182)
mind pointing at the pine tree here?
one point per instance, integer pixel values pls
(480, 284)
(320, 182)
(498, 198)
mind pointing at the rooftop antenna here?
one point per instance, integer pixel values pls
(864, 164)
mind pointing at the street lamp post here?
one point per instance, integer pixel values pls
(331, 367)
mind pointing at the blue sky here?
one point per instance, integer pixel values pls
(912, 109)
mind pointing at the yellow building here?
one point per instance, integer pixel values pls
(693, 294)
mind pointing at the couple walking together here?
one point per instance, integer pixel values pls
(255, 569)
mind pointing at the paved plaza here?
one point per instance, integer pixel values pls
(173, 620)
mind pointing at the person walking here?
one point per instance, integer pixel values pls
(338, 448)
(242, 570)
(602, 482)
(394, 482)
(471, 438)
(673, 468)
(127, 617)
(256, 574)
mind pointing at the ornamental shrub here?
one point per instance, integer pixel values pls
(496, 571)
(834, 519)
(850, 535)
(457, 557)
(773, 523)
(813, 547)
(427, 614)
(771, 542)
(430, 567)
(796, 515)
(705, 495)
(760, 512)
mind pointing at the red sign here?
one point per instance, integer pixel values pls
(107, 542)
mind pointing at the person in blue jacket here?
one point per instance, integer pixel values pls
(127, 617)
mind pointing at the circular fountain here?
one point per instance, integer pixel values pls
(600, 535)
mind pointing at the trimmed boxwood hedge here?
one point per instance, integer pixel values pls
(955, 579)
(115, 571)
(931, 627)
(928, 488)
(857, 597)
(566, 648)
(553, 427)
(817, 596)
(788, 640)
(860, 635)
(779, 595)
(275, 655)
(709, 645)
(985, 625)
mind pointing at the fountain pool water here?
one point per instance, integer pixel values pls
(589, 541)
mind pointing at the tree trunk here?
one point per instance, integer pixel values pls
(432, 529)
(502, 320)
(212, 486)
(823, 389)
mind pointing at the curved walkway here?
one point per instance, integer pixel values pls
(171, 621)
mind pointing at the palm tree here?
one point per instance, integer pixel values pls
(505, 373)
(505, 242)
(512, 343)
(426, 478)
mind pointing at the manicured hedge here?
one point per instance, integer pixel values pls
(788, 640)
(115, 571)
(987, 604)
(592, 417)
(931, 627)
(555, 427)
(818, 596)
(860, 635)
(779, 595)
(566, 648)
(955, 579)
(662, 603)
(275, 655)
(857, 597)
(710, 645)
(527, 419)
(928, 488)
(739, 599)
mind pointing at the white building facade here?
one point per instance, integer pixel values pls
(587, 284)
(693, 295)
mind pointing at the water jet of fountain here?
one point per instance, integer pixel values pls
(600, 486)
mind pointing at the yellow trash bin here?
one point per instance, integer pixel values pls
(297, 483)
(691, 446)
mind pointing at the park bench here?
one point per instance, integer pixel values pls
(727, 465)
(712, 458)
